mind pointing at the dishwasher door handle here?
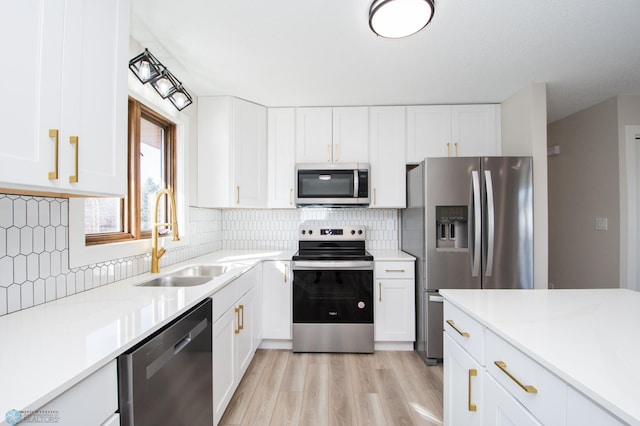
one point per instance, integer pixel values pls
(157, 364)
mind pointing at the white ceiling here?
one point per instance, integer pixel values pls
(322, 52)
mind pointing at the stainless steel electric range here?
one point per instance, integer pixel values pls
(332, 290)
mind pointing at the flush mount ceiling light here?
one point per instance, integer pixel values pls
(148, 69)
(399, 18)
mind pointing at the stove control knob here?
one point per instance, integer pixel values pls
(310, 231)
(304, 232)
(361, 305)
(353, 231)
(359, 231)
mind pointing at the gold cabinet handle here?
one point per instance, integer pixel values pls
(290, 196)
(472, 373)
(53, 133)
(73, 140)
(237, 194)
(237, 330)
(448, 149)
(456, 145)
(329, 152)
(527, 388)
(241, 326)
(394, 270)
(380, 291)
(462, 333)
(336, 152)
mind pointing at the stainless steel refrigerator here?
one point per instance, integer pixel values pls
(469, 223)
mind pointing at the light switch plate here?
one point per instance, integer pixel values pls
(601, 224)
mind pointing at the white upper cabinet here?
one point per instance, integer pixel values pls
(65, 126)
(387, 157)
(338, 135)
(232, 152)
(314, 135)
(452, 131)
(350, 134)
(281, 144)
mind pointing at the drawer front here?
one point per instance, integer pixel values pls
(402, 270)
(583, 411)
(224, 299)
(541, 392)
(466, 331)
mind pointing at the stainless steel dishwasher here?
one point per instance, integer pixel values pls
(167, 379)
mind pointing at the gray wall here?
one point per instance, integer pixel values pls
(583, 186)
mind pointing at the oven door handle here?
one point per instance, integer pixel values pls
(310, 265)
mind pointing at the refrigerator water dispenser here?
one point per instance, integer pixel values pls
(452, 226)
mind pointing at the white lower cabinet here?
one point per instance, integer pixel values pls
(462, 387)
(394, 295)
(276, 306)
(233, 343)
(500, 408)
(93, 401)
(487, 381)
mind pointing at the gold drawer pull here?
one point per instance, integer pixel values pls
(237, 330)
(73, 140)
(472, 373)
(241, 326)
(394, 270)
(53, 133)
(503, 366)
(462, 333)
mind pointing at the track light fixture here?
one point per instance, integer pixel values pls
(148, 69)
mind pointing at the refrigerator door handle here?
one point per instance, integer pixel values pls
(491, 229)
(477, 223)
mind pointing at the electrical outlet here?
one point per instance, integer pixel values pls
(601, 223)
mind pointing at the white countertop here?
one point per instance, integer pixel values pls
(397, 255)
(589, 338)
(49, 348)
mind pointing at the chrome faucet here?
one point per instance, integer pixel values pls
(157, 253)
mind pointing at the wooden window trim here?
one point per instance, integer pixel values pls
(131, 205)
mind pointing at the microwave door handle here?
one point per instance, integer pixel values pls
(355, 184)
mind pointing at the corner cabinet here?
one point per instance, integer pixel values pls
(232, 153)
(333, 135)
(65, 126)
(394, 309)
(281, 157)
(387, 157)
(452, 131)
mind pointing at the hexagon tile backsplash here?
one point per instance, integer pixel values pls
(34, 247)
(34, 252)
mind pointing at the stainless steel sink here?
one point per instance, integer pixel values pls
(174, 281)
(201, 271)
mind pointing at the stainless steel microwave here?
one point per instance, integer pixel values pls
(332, 184)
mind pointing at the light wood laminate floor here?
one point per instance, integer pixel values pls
(385, 388)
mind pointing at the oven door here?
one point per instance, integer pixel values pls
(333, 292)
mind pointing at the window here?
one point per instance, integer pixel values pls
(152, 167)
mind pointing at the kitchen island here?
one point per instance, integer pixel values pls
(573, 352)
